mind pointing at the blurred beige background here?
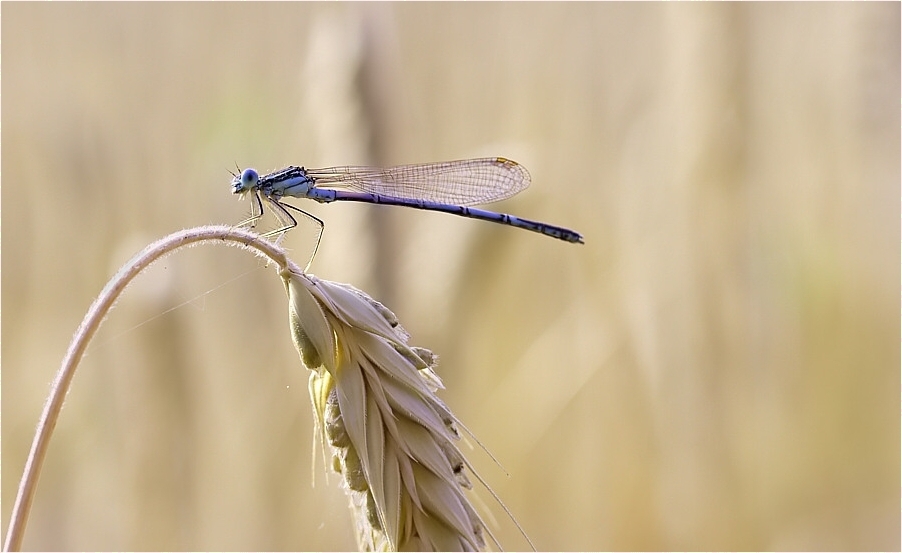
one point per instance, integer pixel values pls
(717, 368)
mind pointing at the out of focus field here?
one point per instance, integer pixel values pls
(717, 368)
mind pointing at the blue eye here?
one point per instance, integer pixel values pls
(249, 178)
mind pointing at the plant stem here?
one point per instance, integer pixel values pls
(89, 326)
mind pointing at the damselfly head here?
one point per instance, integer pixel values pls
(245, 182)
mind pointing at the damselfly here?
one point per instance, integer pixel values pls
(450, 187)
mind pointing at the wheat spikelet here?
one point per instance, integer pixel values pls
(392, 439)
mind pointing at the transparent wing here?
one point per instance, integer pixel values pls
(465, 182)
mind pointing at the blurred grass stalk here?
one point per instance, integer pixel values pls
(374, 400)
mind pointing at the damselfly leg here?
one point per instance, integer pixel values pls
(313, 225)
(256, 213)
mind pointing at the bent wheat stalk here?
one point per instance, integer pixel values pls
(86, 331)
(374, 402)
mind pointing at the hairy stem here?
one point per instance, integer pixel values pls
(88, 328)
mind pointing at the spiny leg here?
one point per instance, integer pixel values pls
(256, 212)
(285, 219)
(316, 220)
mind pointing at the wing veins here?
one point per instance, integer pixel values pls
(464, 182)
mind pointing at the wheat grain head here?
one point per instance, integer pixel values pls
(391, 437)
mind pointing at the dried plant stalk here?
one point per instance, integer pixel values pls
(86, 331)
(374, 400)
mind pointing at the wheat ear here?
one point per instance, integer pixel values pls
(375, 403)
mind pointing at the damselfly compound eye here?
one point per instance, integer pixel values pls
(249, 178)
